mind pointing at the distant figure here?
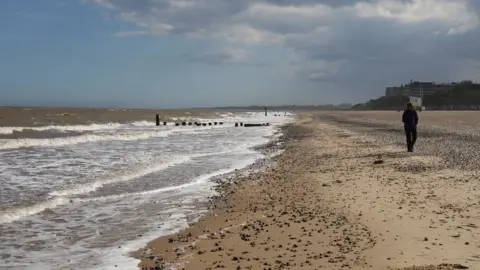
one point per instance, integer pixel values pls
(410, 121)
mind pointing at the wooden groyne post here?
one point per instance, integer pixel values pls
(265, 110)
(157, 120)
(256, 125)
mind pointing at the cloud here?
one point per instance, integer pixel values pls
(227, 56)
(364, 43)
(456, 16)
(317, 69)
(131, 33)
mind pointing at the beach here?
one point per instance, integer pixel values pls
(344, 194)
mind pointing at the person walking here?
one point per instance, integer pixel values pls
(410, 121)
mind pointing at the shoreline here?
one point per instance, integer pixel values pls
(106, 194)
(222, 183)
(336, 199)
(225, 185)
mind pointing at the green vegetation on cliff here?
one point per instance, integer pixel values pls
(462, 94)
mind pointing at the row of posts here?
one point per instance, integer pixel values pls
(158, 123)
(157, 118)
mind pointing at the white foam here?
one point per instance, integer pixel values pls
(142, 124)
(148, 192)
(114, 125)
(199, 180)
(131, 135)
(118, 259)
(146, 170)
(230, 138)
(62, 197)
(91, 127)
(53, 142)
(18, 213)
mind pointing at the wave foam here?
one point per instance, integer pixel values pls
(199, 180)
(63, 197)
(175, 223)
(85, 138)
(18, 213)
(133, 135)
(146, 170)
(66, 128)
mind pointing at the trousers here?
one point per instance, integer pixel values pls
(411, 134)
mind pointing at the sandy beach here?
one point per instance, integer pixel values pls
(344, 194)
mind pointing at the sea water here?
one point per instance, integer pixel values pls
(82, 197)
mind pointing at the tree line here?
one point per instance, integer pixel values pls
(462, 94)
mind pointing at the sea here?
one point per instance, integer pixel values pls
(85, 196)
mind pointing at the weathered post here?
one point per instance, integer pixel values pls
(157, 120)
(265, 110)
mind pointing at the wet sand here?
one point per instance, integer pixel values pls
(36, 116)
(345, 194)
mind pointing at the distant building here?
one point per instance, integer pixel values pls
(417, 89)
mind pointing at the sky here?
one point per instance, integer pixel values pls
(200, 53)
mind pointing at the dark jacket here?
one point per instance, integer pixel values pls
(410, 119)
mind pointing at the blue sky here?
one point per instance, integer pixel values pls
(184, 53)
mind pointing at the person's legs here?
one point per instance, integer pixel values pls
(414, 136)
(408, 134)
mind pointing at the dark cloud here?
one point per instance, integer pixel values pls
(237, 57)
(363, 45)
(218, 58)
(331, 3)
